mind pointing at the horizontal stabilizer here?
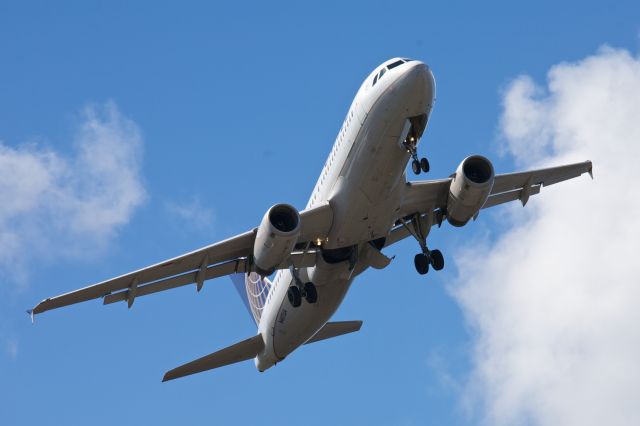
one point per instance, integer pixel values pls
(335, 329)
(242, 351)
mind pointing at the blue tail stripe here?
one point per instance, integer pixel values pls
(254, 292)
(239, 284)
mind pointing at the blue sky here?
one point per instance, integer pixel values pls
(233, 109)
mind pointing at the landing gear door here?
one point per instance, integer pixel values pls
(404, 134)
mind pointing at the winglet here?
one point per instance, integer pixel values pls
(31, 314)
(590, 169)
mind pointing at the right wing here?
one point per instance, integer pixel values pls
(223, 258)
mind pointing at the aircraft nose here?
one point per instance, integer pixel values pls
(419, 81)
(417, 88)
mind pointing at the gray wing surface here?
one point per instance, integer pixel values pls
(420, 197)
(430, 197)
(519, 186)
(225, 257)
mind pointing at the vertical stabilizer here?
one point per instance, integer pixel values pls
(253, 290)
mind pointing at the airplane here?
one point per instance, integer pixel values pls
(361, 203)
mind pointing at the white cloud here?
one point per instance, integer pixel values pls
(53, 206)
(11, 348)
(553, 302)
(192, 213)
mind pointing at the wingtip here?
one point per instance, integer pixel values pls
(31, 315)
(168, 376)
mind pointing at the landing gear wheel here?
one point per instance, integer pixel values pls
(310, 293)
(437, 260)
(294, 296)
(424, 165)
(415, 166)
(422, 263)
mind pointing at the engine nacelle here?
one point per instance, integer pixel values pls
(276, 237)
(469, 189)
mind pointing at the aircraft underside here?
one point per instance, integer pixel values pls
(361, 203)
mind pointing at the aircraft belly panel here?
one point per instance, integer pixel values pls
(365, 203)
(294, 326)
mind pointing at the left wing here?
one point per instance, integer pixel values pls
(223, 258)
(420, 197)
(519, 186)
(430, 197)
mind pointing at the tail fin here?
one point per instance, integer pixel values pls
(253, 290)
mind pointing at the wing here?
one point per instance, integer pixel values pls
(519, 186)
(430, 197)
(223, 258)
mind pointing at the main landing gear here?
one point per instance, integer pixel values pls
(417, 165)
(296, 292)
(427, 257)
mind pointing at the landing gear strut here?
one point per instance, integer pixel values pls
(417, 165)
(427, 257)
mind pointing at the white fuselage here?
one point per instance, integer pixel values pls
(363, 180)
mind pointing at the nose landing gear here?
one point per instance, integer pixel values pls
(417, 165)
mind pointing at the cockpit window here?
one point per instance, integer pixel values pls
(378, 76)
(388, 67)
(395, 64)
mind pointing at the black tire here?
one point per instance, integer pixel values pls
(310, 292)
(424, 165)
(437, 260)
(415, 166)
(294, 296)
(421, 261)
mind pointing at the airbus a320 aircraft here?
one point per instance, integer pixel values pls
(362, 203)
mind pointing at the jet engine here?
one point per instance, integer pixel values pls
(469, 190)
(276, 237)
